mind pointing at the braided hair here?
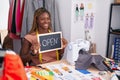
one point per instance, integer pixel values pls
(37, 13)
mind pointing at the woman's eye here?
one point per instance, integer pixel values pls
(43, 19)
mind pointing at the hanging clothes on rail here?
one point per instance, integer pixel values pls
(53, 7)
(15, 18)
(30, 7)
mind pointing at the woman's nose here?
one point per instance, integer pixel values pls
(47, 20)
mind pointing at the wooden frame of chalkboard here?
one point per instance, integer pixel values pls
(50, 41)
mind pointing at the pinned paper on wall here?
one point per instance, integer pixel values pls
(83, 17)
(90, 6)
(86, 21)
(81, 11)
(84, 13)
(76, 13)
(89, 21)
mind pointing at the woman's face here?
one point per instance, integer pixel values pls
(44, 21)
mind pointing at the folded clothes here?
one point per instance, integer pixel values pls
(85, 60)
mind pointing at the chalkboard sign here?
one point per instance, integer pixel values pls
(50, 41)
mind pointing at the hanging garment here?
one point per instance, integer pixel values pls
(85, 60)
(52, 7)
(10, 15)
(30, 7)
(19, 16)
(13, 27)
(15, 18)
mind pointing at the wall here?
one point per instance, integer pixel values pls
(4, 7)
(102, 21)
(77, 29)
(72, 32)
(65, 17)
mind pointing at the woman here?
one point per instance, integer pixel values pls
(30, 46)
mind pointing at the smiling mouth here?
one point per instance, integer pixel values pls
(46, 25)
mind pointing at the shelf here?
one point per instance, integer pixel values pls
(116, 33)
(114, 26)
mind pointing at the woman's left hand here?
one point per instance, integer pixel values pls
(64, 43)
(35, 48)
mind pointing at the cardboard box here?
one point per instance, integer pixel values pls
(117, 1)
(92, 48)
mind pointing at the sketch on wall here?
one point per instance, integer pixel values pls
(84, 13)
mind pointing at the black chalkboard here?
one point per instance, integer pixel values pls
(50, 41)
